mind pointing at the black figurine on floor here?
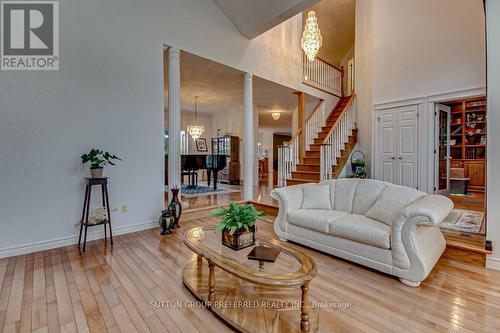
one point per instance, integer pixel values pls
(166, 222)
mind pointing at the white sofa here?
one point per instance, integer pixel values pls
(393, 229)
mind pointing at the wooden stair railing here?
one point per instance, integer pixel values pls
(289, 154)
(334, 142)
(309, 169)
(322, 75)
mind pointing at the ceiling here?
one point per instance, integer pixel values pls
(336, 19)
(220, 90)
(253, 17)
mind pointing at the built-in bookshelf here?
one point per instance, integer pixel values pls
(468, 139)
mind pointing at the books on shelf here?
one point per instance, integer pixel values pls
(476, 104)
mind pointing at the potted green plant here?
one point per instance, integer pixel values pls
(237, 225)
(97, 159)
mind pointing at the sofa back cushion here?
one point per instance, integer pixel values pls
(344, 194)
(330, 183)
(366, 194)
(316, 196)
(390, 201)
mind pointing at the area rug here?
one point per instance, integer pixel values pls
(463, 221)
(202, 190)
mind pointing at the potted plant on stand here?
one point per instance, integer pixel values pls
(237, 225)
(97, 159)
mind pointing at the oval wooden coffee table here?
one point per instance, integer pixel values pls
(248, 296)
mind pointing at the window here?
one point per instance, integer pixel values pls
(183, 141)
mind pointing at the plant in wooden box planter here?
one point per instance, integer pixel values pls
(237, 225)
(97, 159)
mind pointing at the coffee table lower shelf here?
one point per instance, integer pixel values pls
(246, 306)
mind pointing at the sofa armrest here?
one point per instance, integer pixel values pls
(415, 249)
(289, 199)
(434, 208)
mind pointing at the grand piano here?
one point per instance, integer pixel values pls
(192, 163)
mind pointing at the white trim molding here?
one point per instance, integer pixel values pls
(441, 97)
(397, 104)
(493, 263)
(71, 240)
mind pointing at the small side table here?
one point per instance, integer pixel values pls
(84, 223)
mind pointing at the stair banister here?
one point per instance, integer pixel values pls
(323, 75)
(288, 154)
(288, 158)
(314, 121)
(336, 138)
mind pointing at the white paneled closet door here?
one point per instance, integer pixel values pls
(387, 146)
(408, 146)
(397, 146)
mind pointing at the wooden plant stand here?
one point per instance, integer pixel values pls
(84, 223)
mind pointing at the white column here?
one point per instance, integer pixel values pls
(248, 138)
(255, 146)
(174, 118)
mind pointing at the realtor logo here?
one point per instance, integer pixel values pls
(29, 35)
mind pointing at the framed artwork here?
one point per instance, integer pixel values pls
(201, 145)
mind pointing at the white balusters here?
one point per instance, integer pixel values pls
(314, 122)
(288, 158)
(322, 75)
(335, 141)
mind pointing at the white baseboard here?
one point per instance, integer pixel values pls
(93, 234)
(493, 263)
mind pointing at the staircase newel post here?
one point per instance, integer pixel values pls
(302, 124)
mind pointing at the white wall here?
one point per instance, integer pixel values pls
(109, 93)
(415, 50)
(363, 48)
(493, 181)
(427, 47)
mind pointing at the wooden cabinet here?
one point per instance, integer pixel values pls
(476, 171)
(230, 146)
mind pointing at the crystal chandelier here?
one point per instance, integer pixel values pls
(311, 37)
(195, 130)
(276, 113)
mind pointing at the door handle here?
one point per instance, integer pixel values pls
(393, 157)
(400, 157)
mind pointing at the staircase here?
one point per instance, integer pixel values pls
(309, 169)
(320, 148)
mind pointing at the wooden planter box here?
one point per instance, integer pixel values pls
(240, 239)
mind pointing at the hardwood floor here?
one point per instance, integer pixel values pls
(473, 201)
(261, 195)
(120, 289)
(473, 243)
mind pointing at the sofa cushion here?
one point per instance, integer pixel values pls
(344, 194)
(366, 194)
(316, 197)
(390, 201)
(314, 219)
(330, 183)
(361, 229)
